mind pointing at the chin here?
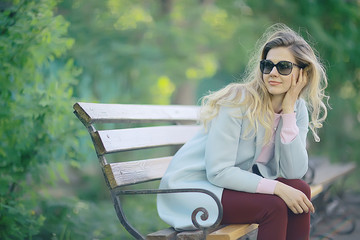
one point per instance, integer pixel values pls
(276, 92)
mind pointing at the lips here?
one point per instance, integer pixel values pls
(274, 83)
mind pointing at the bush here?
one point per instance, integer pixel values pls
(35, 97)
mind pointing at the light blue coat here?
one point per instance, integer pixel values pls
(221, 158)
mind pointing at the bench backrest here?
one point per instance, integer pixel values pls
(174, 125)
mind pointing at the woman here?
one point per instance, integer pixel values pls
(251, 152)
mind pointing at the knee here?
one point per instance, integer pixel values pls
(299, 184)
(303, 186)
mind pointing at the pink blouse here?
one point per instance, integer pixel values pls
(288, 133)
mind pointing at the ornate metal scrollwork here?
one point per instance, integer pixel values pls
(204, 216)
(204, 213)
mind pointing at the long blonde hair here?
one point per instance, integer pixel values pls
(253, 94)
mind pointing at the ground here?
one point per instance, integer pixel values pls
(344, 224)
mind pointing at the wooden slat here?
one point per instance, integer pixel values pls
(126, 173)
(232, 232)
(111, 141)
(114, 113)
(327, 173)
(165, 234)
(190, 235)
(316, 190)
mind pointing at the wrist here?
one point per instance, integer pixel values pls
(278, 188)
(287, 110)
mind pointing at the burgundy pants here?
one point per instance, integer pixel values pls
(275, 219)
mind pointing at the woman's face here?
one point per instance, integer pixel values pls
(276, 83)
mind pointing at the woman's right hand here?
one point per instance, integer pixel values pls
(294, 199)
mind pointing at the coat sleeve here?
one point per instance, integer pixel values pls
(221, 154)
(293, 155)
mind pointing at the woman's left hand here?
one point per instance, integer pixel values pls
(296, 200)
(292, 94)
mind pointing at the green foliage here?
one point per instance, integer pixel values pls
(35, 93)
(141, 52)
(136, 52)
(147, 51)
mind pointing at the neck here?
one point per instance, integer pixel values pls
(276, 101)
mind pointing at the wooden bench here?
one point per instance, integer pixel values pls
(150, 126)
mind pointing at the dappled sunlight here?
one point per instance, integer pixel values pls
(162, 90)
(207, 67)
(347, 90)
(220, 21)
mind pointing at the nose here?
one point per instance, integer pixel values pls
(274, 71)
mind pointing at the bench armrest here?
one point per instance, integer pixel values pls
(117, 192)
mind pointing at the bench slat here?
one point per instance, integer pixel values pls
(329, 172)
(126, 173)
(110, 141)
(165, 234)
(232, 232)
(114, 113)
(316, 190)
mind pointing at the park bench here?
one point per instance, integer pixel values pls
(138, 127)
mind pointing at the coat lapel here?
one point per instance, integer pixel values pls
(259, 141)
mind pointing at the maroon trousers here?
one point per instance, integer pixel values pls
(275, 219)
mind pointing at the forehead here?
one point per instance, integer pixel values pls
(280, 54)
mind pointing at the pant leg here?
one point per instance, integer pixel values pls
(298, 227)
(275, 220)
(269, 211)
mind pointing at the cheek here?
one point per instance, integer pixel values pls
(264, 76)
(287, 84)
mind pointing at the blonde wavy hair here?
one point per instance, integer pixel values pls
(253, 95)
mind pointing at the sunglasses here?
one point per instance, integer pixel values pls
(283, 67)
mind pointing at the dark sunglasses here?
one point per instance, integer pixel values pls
(283, 67)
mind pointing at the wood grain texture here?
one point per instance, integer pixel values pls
(139, 138)
(232, 232)
(126, 173)
(165, 234)
(114, 113)
(316, 190)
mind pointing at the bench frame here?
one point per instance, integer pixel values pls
(89, 116)
(95, 113)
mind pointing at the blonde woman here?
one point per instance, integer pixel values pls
(251, 152)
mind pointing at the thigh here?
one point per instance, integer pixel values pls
(242, 207)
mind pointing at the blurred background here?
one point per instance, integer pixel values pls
(54, 53)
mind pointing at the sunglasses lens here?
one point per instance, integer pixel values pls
(284, 67)
(266, 66)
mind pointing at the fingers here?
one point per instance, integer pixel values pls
(303, 205)
(311, 206)
(297, 209)
(300, 76)
(303, 77)
(296, 200)
(294, 81)
(301, 81)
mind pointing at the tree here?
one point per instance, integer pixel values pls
(35, 97)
